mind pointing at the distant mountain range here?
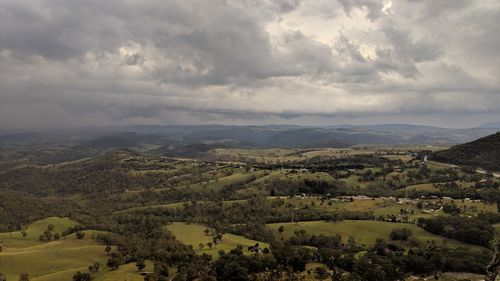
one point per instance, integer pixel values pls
(482, 153)
(193, 140)
(495, 125)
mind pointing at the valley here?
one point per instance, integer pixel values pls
(286, 209)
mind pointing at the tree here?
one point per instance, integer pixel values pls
(2, 277)
(82, 276)
(161, 271)
(140, 264)
(201, 245)
(281, 229)
(321, 272)
(151, 277)
(206, 231)
(218, 237)
(400, 234)
(95, 267)
(24, 277)
(107, 249)
(57, 236)
(48, 235)
(50, 227)
(24, 233)
(113, 263)
(210, 245)
(80, 234)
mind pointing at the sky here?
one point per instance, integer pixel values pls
(316, 62)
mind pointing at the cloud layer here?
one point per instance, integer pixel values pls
(91, 62)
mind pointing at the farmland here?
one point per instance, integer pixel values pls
(248, 204)
(364, 232)
(56, 260)
(194, 235)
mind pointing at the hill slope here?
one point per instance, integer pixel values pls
(484, 153)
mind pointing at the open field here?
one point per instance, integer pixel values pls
(378, 206)
(173, 205)
(363, 232)
(451, 276)
(402, 157)
(55, 260)
(126, 272)
(15, 239)
(193, 234)
(497, 231)
(422, 187)
(275, 155)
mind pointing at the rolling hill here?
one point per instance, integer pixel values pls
(483, 153)
(192, 141)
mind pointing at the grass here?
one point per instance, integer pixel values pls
(402, 157)
(364, 232)
(219, 183)
(422, 187)
(16, 240)
(497, 231)
(451, 276)
(384, 207)
(193, 234)
(126, 272)
(276, 155)
(173, 205)
(55, 260)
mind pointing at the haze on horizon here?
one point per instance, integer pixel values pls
(318, 62)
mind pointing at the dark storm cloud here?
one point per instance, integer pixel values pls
(68, 63)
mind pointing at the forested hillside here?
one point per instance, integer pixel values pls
(483, 153)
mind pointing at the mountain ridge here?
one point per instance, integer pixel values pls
(482, 153)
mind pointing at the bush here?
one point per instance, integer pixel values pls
(400, 234)
(80, 276)
(80, 234)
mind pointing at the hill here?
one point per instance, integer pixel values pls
(483, 153)
(54, 260)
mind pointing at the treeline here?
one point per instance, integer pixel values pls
(468, 230)
(482, 153)
(17, 209)
(385, 261)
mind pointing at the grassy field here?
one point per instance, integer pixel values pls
(275, 155)
(497, 231)
(404, 157)
(385, 207)
(364, 232)
(55, 260)
(173, 205)
(422, 187)
(379, 206)
(193, 234)
(451, 276)
(126, 272)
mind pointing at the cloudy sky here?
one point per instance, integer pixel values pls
(322, 62)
